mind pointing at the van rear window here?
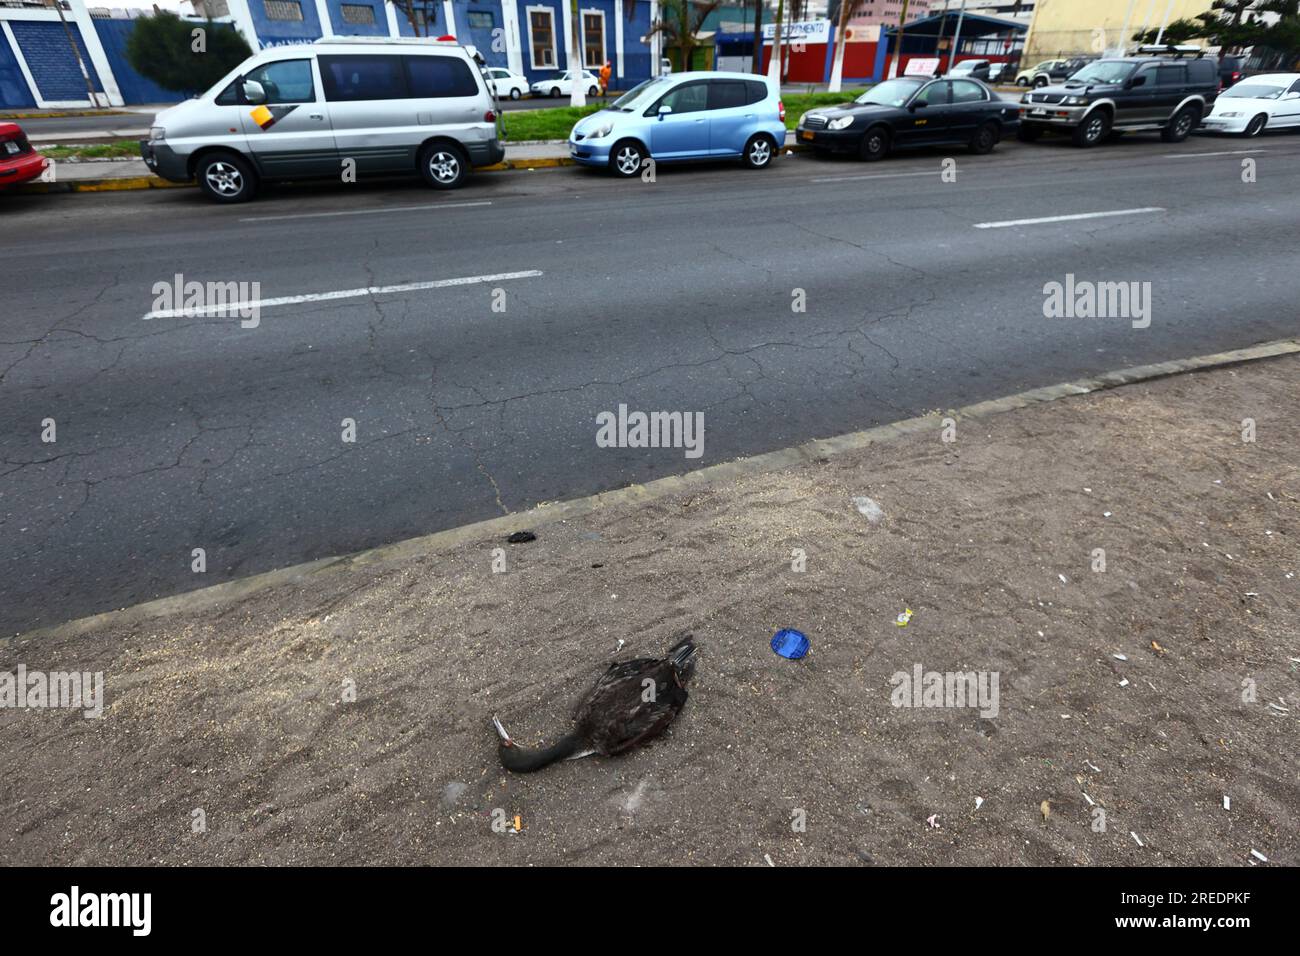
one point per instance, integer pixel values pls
(434, 76)
(363, 77)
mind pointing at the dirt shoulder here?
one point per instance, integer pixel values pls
(1119, 690)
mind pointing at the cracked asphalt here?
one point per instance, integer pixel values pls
(677, 295)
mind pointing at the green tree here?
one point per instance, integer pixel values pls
(1178, 31)
(680, 20)
(184, 55)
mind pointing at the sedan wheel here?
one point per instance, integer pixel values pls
(1256, 125)
(555, 92)
(875, 144)
(514, 94)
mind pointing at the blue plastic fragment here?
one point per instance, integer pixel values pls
(790, 643)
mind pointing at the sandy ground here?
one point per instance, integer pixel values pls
(238, 711)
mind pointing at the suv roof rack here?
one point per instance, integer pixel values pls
(1177, 50)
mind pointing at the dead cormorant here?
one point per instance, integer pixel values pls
(632, 702)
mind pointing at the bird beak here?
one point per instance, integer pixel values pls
(501, 731)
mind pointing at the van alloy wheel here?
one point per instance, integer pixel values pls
(444, 166)
(224, 179)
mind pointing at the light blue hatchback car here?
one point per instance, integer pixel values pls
(686, 116)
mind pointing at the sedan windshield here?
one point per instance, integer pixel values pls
(894, 92)
(643, 94)
(1103, 72)
(1254, 91)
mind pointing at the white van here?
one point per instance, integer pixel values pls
(337, 106)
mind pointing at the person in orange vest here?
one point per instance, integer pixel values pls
(604, 79)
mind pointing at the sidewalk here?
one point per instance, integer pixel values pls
(109, 175)
(1120, 691)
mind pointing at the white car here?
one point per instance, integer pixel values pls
(1270, 100)
(562, 85)
(509, 85)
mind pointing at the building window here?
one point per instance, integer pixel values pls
(282, 9)
(541, 37)
(359, 13)
(593, 38)
(480, 19)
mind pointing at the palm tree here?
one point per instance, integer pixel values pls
(680, 22)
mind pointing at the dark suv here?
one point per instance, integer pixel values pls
(1111, 96)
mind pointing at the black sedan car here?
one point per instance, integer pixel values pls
(908, 112)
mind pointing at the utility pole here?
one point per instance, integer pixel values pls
(956, 40)
(774, 65)
(76, 51)
(837, 69)
(898, 54)
(1165, 22)
(758, 36)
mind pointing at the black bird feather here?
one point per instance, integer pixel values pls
(617, 713)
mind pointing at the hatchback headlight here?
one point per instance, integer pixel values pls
(600, 131)
(840, 122)
(157, 134)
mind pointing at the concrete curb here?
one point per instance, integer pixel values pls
(541, 515)
(61, 113)
(128, 183)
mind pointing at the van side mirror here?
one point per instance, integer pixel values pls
(253, 92)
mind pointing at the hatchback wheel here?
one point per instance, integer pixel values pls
(759, 151)
(875, 144)
(1092, 130)
(443, 165)
(226, 177)
(1256, 126)
(625, 159)
(1181, 125)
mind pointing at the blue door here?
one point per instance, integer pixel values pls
(682, 133)
(732, 117)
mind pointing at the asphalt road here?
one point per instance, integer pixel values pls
(183, 433)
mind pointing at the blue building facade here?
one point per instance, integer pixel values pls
(530, 37)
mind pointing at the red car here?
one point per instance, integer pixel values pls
(19, 163)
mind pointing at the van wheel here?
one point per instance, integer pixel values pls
(1181, 125)
(443, 165)
(875, 144)
(1094, 128)
(985, 138)
(625, 158)
(759, 151)
(226, 177)
(1256, 126)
